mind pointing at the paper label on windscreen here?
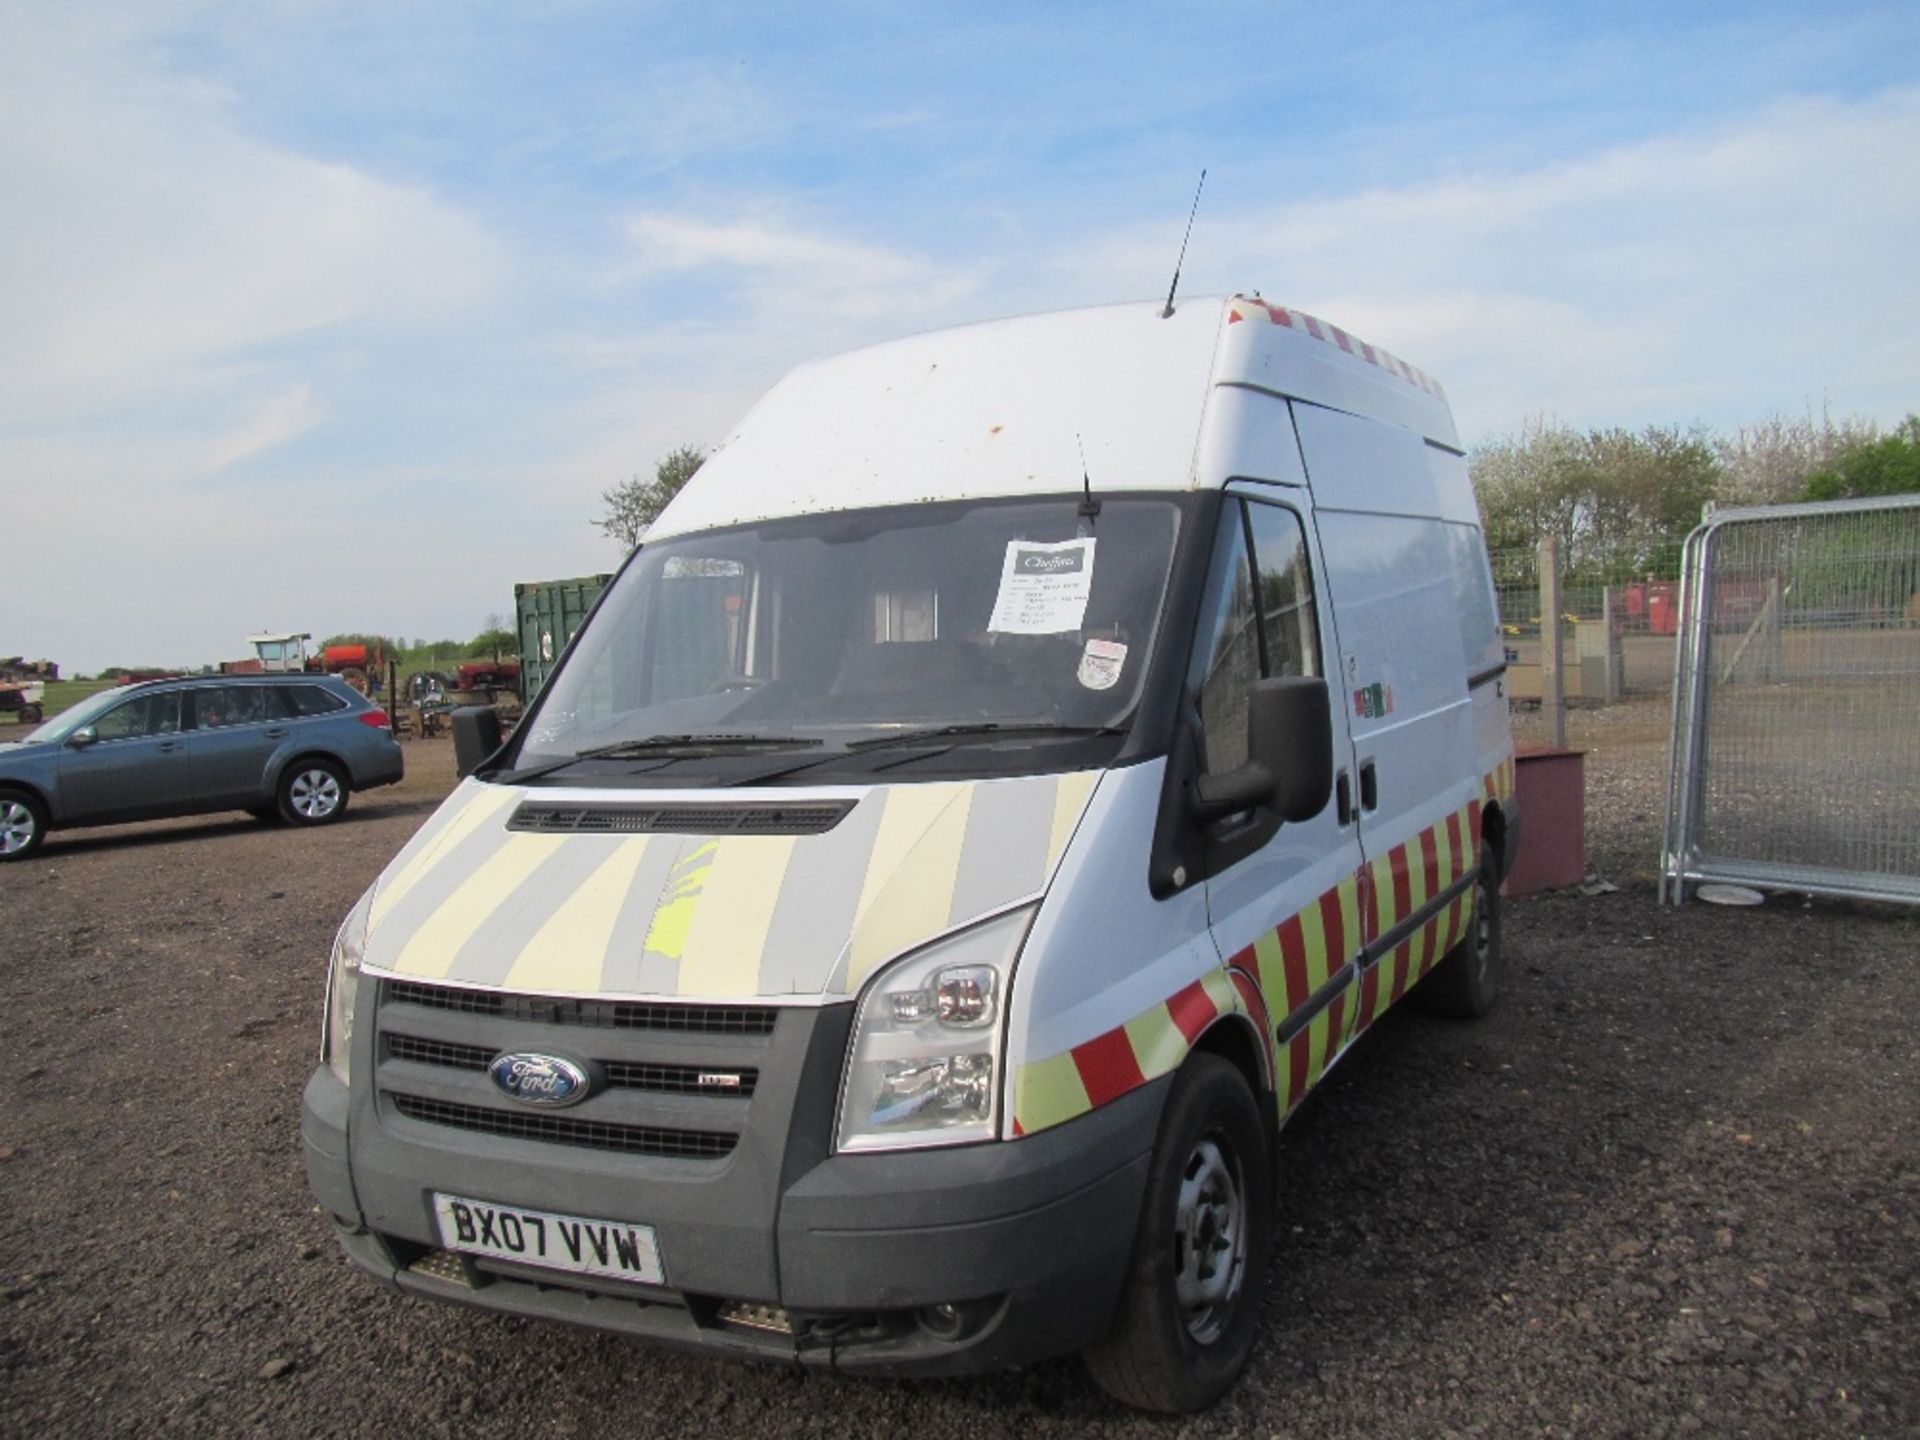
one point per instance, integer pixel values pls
(1043, 588)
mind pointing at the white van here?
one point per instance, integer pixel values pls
(1010, 774)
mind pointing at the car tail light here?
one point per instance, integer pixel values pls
(376, 718)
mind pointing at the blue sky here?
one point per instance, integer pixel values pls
(340, 316)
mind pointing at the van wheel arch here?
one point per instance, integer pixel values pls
(1237, 1040)
(1493, 831)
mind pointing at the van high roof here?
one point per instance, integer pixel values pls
(1006, 407)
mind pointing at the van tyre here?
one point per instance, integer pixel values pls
(1191, 1299)
(313, 792)
(1466, 982)
(23, 824)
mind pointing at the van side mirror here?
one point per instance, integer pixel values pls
(83, 737)
(476, 735)
(1289, 765)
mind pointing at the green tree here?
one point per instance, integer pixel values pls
(634, 504)
(1887, 466)
(494, 641)
(1612, 498)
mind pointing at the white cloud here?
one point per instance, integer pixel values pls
(1720, 275)
(148, 237)
(785, 271)
(278, 419)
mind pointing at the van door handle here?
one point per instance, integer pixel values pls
(1369, 787)
(169, 747)
(277, 733)
(1343, 798)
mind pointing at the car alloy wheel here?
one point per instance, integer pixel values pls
(315, 793)
(19, 827)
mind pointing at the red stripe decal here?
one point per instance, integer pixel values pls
(1018, 1128)
(1402, 885)
(1336, 1015)
(1192, 1010)
(1107, 1067)
(1293, 956)
(1430, 858)
(1455, 848)
(1335, 926)
(1473, 824)
(1402, 962)
(1369, 996)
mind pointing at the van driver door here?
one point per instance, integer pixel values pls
(1283, 898)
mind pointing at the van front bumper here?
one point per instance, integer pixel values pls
(929, 1262)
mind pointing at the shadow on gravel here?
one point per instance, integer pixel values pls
(168, 833)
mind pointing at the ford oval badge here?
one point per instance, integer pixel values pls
(535, 1079)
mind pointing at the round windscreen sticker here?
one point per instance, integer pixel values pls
(1100, 664)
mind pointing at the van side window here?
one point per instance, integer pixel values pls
(1258, 621)
(1286, 591)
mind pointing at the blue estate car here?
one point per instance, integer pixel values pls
(296, 745)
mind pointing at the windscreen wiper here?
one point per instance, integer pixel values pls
(665, 748)
(695, 745)
(982, 730)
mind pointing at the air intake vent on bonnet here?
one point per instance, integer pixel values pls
(813, 817)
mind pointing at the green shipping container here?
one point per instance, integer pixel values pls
(550, 612)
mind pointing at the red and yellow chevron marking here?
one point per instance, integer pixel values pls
(1153, 1043)
(1279, 972)
(1294, 962)
(1246, 307)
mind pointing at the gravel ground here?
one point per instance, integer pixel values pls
(1671, 1186)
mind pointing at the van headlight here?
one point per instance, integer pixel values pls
(924, 1066)
(343, 983)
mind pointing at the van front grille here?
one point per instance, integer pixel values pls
(610, 1014)
(564, 1130)
(621, 1074)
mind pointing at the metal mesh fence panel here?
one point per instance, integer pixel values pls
(1796, 743)
(1625, 614)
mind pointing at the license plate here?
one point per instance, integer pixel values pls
(608, 1248)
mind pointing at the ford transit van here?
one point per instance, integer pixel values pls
(1008, 777)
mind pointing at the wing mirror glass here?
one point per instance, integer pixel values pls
(83, 737)
(1289, 766)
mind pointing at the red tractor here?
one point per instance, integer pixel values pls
(287, 654)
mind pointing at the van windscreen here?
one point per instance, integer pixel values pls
(841, 627)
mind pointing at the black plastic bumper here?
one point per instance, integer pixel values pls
(1023, 1242)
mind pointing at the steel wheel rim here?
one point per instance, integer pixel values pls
(315, 794)
(1210, 1237)
(16, 827)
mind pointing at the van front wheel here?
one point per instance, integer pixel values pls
(1191, 1301)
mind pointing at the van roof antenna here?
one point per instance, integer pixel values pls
(1089, 507)
(1167, 313)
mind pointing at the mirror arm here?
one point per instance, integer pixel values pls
(1241, 788)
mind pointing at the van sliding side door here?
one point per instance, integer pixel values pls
(1283, 898)
(1402, 667)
